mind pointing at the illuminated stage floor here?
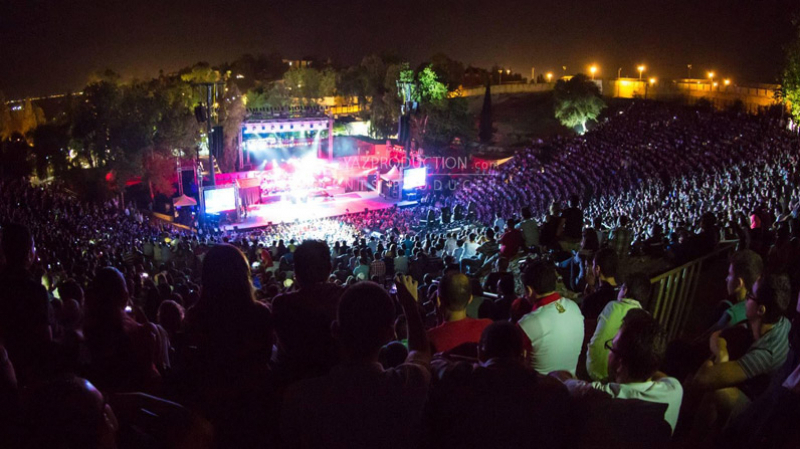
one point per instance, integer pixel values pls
(284, 211)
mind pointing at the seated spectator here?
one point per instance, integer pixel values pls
(68, 413)
(361, 271)
(303, 318)
(359, 404)
(488, 403)
(554, 327)
(573, 220)
(486, 251)
(634, 294)
(454, 294)
(601, 283)
(500, 271)
(744, 270)
(731, 385)
(635, 354)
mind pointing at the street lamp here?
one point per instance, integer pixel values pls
(652, 81)
(640, 69)
(727, 81)
(593, 69)
(711, 76)
(549, 76)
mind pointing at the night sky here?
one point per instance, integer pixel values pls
(52, 46)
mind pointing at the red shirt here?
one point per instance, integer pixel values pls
(454, 333)
(511, 242)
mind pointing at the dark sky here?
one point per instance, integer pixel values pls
(53, 46)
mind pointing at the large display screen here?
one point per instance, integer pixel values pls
(414, 177)
(220, 200)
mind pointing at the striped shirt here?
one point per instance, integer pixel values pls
(769, 352)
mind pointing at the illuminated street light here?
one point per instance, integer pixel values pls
(715, 84)
(593, 70)
(727, 81)
(711, 76)
(549, 76)
(652, 81)
(640, 69)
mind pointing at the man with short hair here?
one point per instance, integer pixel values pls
(453, 296)
(303, 318)
(604, 271)
(488, 404)
(732, 384)
(744, 269)
(555, 325)
(512, 240)
(483, 253)
(635, 354)
(573, 220)
(621, 237)
(401, 262)
(359, 404)
(634, 294)
(529, 228)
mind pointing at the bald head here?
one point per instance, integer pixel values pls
(455, 291)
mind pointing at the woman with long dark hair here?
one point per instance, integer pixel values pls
(231, 337)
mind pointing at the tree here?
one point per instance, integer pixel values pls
(15, 154)
(486, 130)
(577, 101)
(5, 118)
(448, 71)
(232, 114)
(50, 148)
(789, 93)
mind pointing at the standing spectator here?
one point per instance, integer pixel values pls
(25, 314)
(512, 240)
(303, 318)
(621, 237)
(634, 294)
(529, 228)
(359, 404)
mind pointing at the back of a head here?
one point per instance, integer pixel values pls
(67, 413)
(365, 319)
(748, 266)
(623, 220)
(642, 344)
(574, 201)
(70, 289)
(312, 262)
(17, 244)
(540, 276)
(526, 213)
(109, 290)
(226, 278)
(455, 291)
(501, 339)
(505, 286)
(170, 315)
(489, 234)
(773, 292)
(607, 260)
(639, 288)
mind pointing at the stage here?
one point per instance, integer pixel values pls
(259, 215)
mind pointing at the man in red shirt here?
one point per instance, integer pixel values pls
(512, 240)
(454, 294)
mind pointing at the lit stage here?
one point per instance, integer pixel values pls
(339, 204)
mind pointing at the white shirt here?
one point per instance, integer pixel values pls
(556, 335)
(449, 246)
(666, 390)
(530, 230)
(469, 250)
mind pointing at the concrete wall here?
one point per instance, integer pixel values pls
(504, 89)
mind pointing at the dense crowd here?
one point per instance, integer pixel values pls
(509, 322)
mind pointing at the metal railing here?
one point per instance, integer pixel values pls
(674, 291)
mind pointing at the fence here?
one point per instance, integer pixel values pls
(674, 291)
